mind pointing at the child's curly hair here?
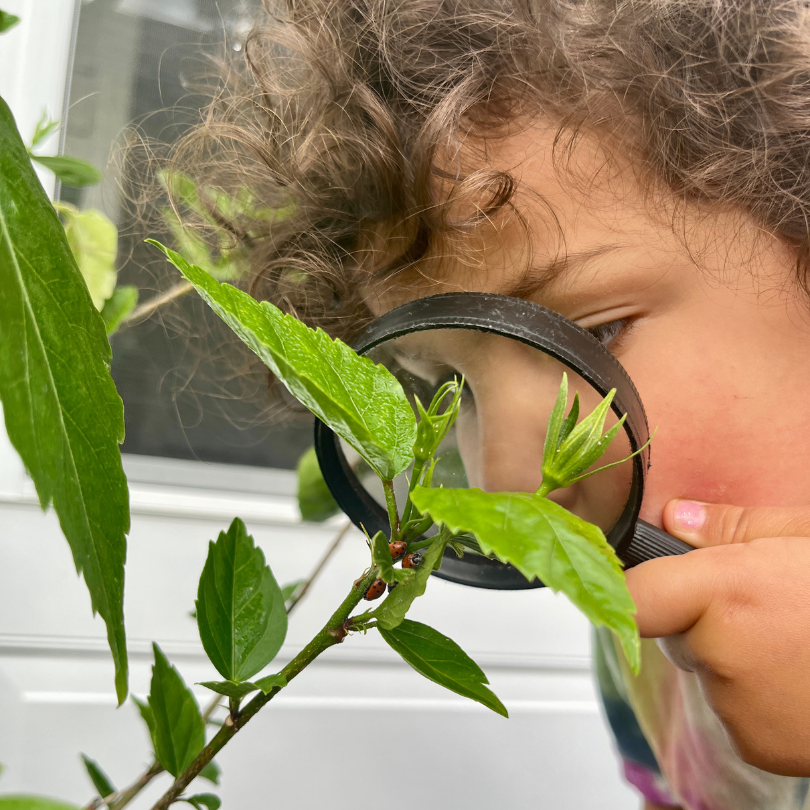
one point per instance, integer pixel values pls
(340, 110)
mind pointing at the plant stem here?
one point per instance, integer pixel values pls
(544, 488)
(393, 514)
(301, 592)
(333, 632)
(144, 310)
(146, 777)
(124, 797)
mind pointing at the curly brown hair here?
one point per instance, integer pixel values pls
(339, 112)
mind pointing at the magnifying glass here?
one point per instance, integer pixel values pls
(512, 354)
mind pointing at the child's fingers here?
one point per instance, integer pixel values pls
(672, 593)
(712, 524)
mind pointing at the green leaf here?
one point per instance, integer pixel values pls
(541, 539)
(441, 660)
(93, 240)
(7, 21)
(290, 588)
(179, 727)
(240, 608)
(44, 129)
(71, 171)
(392, 611)
(26, 802)
(97, 776)
(211, 772)
(203, 800)
(228, 266)
(230, 688)
(148, 717)
(62, 412)
(240, 690)
(315, 501)
(360, 400)
(119, 307)
(381, 557)
(271, 682)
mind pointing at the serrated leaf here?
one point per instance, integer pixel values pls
(100, 780)
(203, 800)
(7, 21)
(93, 240)
(381, 557)
(119, 307)
(27, 802)
(179, 727)
(440, 659)
(543, 540)
(392, 611)
(62, 412)
(315, 502)
(211, 772)
(360, 400)
(240, 608)
(71, 171)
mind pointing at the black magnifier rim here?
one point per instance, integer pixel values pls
(536, 326)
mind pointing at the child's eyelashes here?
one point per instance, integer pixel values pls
(610, 334)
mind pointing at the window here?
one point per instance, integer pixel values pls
(179, 372)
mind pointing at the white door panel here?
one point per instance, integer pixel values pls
(359, 705)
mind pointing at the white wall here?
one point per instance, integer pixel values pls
(352, 716)
(357, 724)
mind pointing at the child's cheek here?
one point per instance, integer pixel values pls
(721, 449)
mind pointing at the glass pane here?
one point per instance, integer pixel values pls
(181, 374)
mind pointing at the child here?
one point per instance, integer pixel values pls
(641, 167)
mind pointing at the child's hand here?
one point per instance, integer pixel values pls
(737, 614)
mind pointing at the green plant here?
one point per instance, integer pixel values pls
(64, 417)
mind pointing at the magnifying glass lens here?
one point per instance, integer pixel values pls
(497, 441)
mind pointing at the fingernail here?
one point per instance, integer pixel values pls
(689, 516)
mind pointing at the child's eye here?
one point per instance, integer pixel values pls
(607, 333)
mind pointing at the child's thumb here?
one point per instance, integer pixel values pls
(714, 524)
(672, 593)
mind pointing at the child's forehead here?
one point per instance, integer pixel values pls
(568, 210)
(584, 216)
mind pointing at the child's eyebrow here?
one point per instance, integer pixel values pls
(538, 277)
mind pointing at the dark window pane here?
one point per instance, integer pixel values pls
(190, 390)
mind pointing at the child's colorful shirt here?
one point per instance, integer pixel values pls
(673, 747)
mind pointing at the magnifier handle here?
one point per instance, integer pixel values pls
(649, 542)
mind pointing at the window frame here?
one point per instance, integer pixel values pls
(158, 485)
